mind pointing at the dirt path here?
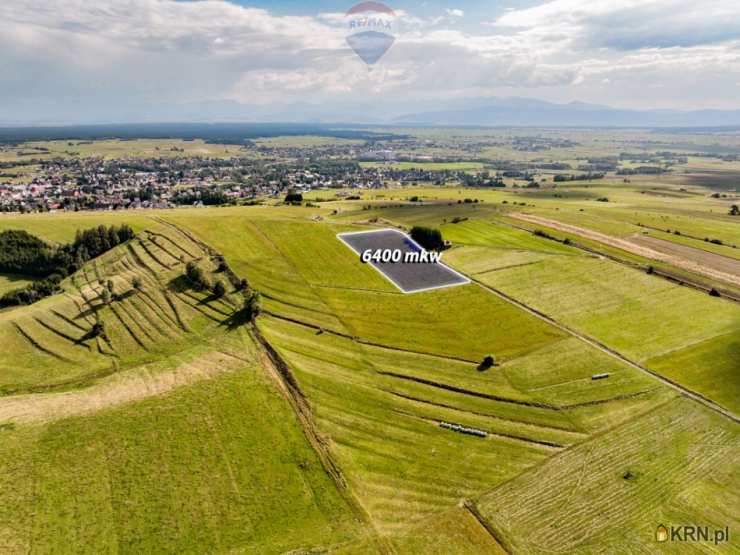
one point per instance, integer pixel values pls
(643, 250)
(116, 391)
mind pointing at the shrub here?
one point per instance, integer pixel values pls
(98, 329)
(136, 283)
(294, 198)
(487, 362)
(105, 296)
(427, 237)
(219, 289)
(252, 305)
(734, 210)
(714, 293)
(196, 276)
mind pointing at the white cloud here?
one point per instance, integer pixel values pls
(76, 56)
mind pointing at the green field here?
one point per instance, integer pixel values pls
(429, 166)
(659, 469)
(331, 424)
(214, 466)
(8, 282)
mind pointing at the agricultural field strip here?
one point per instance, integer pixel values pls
(408, 277)
(668, 272)
(716, 261)
(606, 349)
(631, 247)
(124, 389)
(529, 488)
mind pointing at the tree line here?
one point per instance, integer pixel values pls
(26, 254)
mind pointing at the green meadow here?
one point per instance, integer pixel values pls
(332, 423)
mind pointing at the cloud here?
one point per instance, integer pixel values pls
(111, 60)
(631, 24)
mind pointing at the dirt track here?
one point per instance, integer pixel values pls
(676, 257)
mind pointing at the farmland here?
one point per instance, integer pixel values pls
(145, 408)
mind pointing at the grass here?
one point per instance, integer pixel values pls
(61, 227)
(710, 367)
(673, 466)
(404, 363)
(201, 455)
(205, 478)
(9, 282)
(637, 314)
(428, 166)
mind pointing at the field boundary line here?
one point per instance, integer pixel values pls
(463, 391)
(698, 397)
(523, 439)
(483, 414)
(470, 506)
(288, 385)
(365, 342)
(678, 279)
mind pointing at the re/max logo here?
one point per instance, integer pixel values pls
(691, 533)
(376, 22)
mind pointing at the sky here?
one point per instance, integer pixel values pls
(81, 61)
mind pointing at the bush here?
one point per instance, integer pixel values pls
(487, 362)
(293, 198)
(105, 296)
(219, 289)
(98, 329)
(136, 283)
(427, 237)
(196, 276)
(714, 293)
(252, 305)
(734, 210)
(31, 293)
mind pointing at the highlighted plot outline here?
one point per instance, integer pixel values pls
(407, 277)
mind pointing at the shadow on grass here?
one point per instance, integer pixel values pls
(237, 319)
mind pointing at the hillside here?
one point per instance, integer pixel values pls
(330, 423)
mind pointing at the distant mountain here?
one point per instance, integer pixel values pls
(538, 113)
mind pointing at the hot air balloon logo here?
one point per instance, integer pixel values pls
(661, 534)
(370, 30)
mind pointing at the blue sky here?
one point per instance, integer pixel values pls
(77, 60)
(476, 11)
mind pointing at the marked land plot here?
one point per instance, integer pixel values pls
(402, 261)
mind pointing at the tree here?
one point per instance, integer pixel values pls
(110, 286)
(105, 296)
(195, 274)
(427, 237)
(487, 362)
(252, 305)
(98, 329)
(136, 283)
(293, 197)
(734, 210)
(219, 289)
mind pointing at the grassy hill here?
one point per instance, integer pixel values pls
(185, 428)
